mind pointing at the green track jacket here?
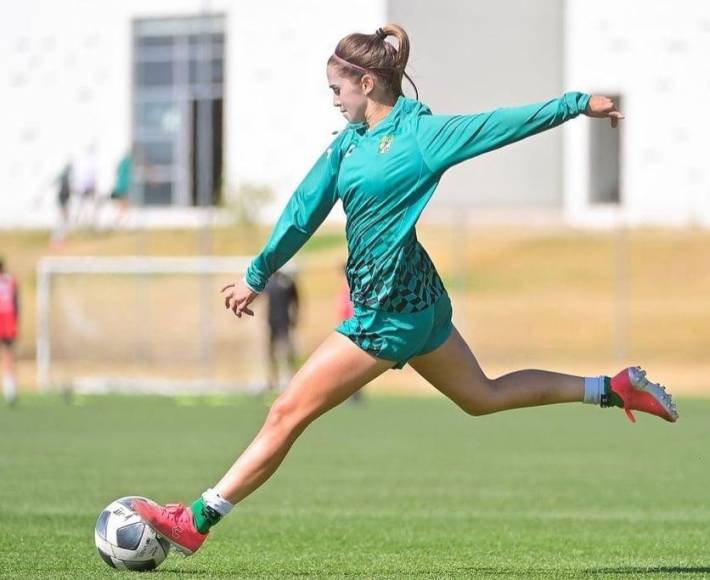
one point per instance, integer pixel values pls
(384, 178)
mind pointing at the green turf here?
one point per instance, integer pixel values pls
(395, 488)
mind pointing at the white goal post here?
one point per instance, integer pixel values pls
(97, 298)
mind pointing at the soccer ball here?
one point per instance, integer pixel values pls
(125, 541)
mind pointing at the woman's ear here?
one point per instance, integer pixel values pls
(367, 83)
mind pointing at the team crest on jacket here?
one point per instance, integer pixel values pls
(385, 144)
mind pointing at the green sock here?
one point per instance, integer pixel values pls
(610, 398)
(204, 516)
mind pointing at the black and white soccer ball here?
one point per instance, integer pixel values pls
(125, 541)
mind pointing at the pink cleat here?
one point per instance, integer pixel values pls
(637, 393)
(173, 522)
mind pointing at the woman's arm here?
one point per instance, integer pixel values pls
(448, 140)
(309, 205)
(305, 211)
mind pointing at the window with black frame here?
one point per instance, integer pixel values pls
(178, 74)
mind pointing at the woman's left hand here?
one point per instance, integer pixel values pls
(602, 108)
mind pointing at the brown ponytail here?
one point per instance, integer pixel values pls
(358, 54)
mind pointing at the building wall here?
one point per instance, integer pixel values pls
(475, 56)
(280, 116)
(66, 84)
(657, 59)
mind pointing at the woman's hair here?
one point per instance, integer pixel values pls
(359, 54)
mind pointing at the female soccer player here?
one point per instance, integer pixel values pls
(384, 167)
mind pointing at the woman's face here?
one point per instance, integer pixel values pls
(348, 95)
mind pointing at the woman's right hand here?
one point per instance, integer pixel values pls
(602, 107)
(238, 297)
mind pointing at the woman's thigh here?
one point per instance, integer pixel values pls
(331, 374)
(453, 369)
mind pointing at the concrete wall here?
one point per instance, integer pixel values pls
(66, 83)
(657, 58)
(474, 56)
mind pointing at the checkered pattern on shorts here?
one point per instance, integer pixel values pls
(368, 341)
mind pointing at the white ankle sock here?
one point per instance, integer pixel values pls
(593, 390)
(215, 501)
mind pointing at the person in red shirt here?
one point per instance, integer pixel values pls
(9, 319)
(344, 305)
(344, 309)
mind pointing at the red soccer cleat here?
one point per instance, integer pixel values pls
(640, 394)
(174, 523)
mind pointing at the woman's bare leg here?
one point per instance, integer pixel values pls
(453, 369)
(334, 371)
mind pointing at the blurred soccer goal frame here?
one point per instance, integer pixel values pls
(50, 267)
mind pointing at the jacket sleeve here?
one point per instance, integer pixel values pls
(447, 140)
(309, 205)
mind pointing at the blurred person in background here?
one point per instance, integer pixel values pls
(9, 322)
(85, 175)
(343, 303)
(344, 310)
(385, 166)
(121, 193)
(282, 318)
(64, 187)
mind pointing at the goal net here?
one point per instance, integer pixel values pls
(154, 324)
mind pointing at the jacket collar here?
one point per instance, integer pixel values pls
(387, 123)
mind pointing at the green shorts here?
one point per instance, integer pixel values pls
(399, 337)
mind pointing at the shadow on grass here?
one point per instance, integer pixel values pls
(650, 570)
(467, 570)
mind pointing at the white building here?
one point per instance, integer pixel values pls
(137, 75)
(655, 56)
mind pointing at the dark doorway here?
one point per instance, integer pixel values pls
(211, 153)
(605, 160)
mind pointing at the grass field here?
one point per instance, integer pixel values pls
(394, 488)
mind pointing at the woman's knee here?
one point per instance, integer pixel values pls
(476, 408)
(287, 415)
(480, 398)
